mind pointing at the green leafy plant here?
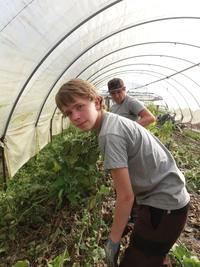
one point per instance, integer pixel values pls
(24, 263)
(163, 132)
(92, 228)
(59, 260)
(75, 170)
(183, 258)
(192, 134)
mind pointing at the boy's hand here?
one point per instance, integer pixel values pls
(112, 251)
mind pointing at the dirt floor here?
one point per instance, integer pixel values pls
(191, 235)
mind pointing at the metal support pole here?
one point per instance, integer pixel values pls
(51, 122)
(4, 169)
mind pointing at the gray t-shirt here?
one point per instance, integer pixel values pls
(129, 108)
(155, 177)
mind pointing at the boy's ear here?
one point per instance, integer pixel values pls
(97, 103)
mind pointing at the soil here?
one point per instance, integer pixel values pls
(191, 235)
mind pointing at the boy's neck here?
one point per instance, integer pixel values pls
(99, 121)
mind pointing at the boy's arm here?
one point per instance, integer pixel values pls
(123, 204)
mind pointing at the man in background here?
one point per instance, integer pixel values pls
(126, 105)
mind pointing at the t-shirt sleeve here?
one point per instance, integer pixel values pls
(135, 106)
(115, 152)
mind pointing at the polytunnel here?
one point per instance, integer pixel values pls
(153, 45)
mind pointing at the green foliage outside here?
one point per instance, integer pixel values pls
(64, 199)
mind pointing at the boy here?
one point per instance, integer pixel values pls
(132, 109)
(140, 165)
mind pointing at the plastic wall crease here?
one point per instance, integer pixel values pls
(20, 146)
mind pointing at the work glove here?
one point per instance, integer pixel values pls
(112, 251)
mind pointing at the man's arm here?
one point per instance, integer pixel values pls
(146, 117)
(123, 204)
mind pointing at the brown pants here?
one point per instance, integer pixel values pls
(155, 231)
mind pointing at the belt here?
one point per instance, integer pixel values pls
(177, 211)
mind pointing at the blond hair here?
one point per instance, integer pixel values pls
(76, 87)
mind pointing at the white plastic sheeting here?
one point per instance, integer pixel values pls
(151, 43)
